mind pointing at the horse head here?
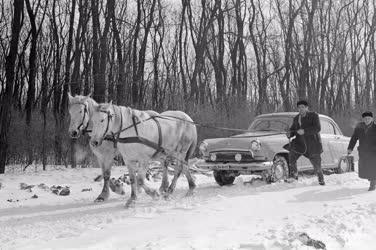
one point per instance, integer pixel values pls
(79, 111)
(103, 119)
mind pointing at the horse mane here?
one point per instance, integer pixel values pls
(81, 99)
(91, 101)
(140, 115)
(103, 107)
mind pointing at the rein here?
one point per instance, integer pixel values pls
(115, 137)
(242, 130)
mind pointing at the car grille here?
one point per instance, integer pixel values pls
(230, 157)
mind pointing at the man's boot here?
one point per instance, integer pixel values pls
(293, 177)
(372, 185)
(321, 179)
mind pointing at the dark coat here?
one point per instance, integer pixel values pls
(367, 149)
(309, 143)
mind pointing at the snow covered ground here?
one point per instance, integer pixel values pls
(341, 214)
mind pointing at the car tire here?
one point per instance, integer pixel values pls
(223, 178)
(280, 169)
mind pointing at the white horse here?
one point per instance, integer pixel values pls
(81, 109)
(141, 137)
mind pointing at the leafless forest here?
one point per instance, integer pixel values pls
(220, 61)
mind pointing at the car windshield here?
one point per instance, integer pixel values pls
(277, 123)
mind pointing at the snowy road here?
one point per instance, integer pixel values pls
(243, 216)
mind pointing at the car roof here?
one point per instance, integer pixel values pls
(287, 114)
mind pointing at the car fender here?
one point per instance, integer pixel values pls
(271, 149)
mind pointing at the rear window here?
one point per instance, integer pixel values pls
(327, 127)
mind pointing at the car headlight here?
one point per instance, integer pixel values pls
(255, 145)
(203, 147)
(213, 157)
(238, 157)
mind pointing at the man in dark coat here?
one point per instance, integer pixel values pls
(365, 132)
(307, 142)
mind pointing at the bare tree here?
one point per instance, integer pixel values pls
(216, 54)
(138, 60)
(199, 34)
(6, 100)
(120, 86)
(58, 45)
(32, 70)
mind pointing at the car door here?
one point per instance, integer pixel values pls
(329, 146)
(334, 141)
(343, 141)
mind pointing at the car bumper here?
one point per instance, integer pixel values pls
(246, 166)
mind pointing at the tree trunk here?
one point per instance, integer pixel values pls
(99, 87)
(57, 88)
(181, 49)
(6, 101)
(120, 86)
(44, 105)
(139, 77)
(31, 82)
(76, 80)
(304, 79)
(135, 84)
(67, 82)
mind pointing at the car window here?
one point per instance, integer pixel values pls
(279, 124)
(337, 130)
(327, 127)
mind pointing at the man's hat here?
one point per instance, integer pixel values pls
(302, 102)
(367, 113)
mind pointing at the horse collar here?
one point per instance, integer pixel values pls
(115, 136)
(109, 117)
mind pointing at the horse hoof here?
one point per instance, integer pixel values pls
(170, 190)
(189, 193)
(162, 190)
(130, 203)
(155, 195)
(166, 196)
(99, 199)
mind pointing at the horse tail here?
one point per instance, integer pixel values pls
(192, 147)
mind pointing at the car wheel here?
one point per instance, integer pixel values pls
(279, 169)
(223, 177)
(344, 165)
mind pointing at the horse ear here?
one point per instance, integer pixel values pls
(110, 102)
(90, 95)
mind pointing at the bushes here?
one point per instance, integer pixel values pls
(19, 144)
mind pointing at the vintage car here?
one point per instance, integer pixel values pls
(260, 151)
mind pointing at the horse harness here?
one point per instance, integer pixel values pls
(86, 112)
(115, 137)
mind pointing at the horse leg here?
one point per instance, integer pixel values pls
(177, 172)
(132, 179)
(164, 185)
(191, 181)
(106, 173)
(141, 175)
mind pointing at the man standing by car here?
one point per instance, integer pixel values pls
(307, 142)
(365, 132)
